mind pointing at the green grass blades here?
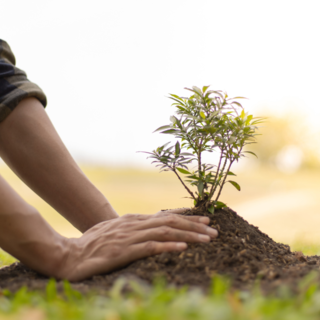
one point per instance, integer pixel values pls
(5, 259)
(161, 302)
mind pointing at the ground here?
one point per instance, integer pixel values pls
(242, 252)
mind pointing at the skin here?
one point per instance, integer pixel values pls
(31, 147)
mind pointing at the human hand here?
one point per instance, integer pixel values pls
(115, 243)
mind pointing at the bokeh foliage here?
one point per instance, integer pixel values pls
(280, 132)
(162, 302)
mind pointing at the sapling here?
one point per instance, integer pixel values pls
(206, 121)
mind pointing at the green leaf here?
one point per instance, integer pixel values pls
(206, 121)
(250, 153)
(235, 184)
(213, 114)
(178, 100)
(211, 209)
(162, 128)
(238, 98)
(249, 118)
(204, 88)
(187, 154)
(218, 92)
(210, 129)
(194, 177)
(177, 97)
(220, 205)
(177, 148)
(237, 103)
(200, 187)
(170, 131)
(197, 90)
(183, 171)
(173, 119)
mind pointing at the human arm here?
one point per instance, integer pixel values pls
(103, 248)
(26, 235)
(31, 147)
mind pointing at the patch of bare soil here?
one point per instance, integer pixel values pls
(241, 252)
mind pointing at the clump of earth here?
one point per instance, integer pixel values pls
(242, 252)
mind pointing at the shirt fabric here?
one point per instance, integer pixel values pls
(14, 84)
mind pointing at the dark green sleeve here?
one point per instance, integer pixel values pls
(14, 84)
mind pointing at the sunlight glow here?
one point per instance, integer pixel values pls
(107, 66)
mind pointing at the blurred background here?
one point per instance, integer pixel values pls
(107, 68)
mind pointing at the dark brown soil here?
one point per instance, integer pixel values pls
(241, 252)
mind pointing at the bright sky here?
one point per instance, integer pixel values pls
(107, 66)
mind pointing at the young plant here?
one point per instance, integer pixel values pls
(207, 121)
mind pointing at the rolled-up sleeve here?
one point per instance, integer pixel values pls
(14, 84)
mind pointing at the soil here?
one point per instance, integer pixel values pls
(241, 251)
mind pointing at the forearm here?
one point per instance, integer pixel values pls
(103, 248)
(30, 145)
(32, 241)
(27, 236)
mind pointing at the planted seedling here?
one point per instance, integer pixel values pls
(206, 121)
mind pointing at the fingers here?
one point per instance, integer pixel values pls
(135, 222)
(177, 211)
(165, 234)
(150, 248)
(101, 264)
(141, 217)
(176, 222)
(204, 220)
(133, 216)
(199, 219)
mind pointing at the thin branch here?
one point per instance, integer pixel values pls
(213, 187)
(225, 177)
(224, 180)
(199, 158)
(221, 173)
(189, 139)
(191, 194)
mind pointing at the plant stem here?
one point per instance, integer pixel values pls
(219, 174)
(189, 140)
(224, 180)
(199, 158)
(174, 170)
(214, 186)
(225, 177)
(222, 170)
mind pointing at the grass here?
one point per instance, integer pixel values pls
(160, 302)
(5, 259)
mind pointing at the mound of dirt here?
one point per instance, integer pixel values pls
(241, 252)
